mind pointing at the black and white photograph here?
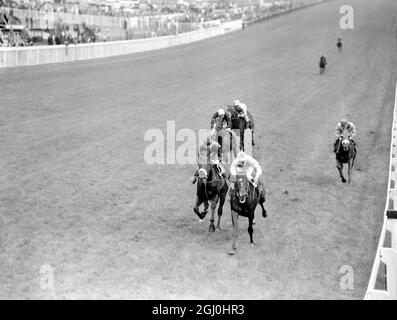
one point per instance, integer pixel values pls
(198, 150)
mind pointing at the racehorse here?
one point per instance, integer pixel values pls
(339, 45)
(345, 153)
(212, 188)
(322, 65)
(243, 201)
(240, 124)
(227, 140)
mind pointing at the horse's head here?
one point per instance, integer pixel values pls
(345, 144)
(242, 188)
(203, 173)
(232, 111)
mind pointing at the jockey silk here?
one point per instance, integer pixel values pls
(250, 164)
(349, 127)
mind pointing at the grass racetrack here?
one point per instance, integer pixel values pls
(76, 193)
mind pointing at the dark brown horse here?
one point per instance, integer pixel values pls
(345, 153)
(243, 200)
(240, 124)
(212, 187)
(322, 64)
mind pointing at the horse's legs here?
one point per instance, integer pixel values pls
(349, 169)
(242, 139)
(220, 151)
(252, 132)
(196, 208)
(206, 205)
(235, 229)
(250, 229)
(339, 165)
(261, 202)
(213, 207)
(222, 199)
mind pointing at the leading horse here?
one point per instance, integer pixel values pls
(345, 153)
(212, 186)
(240, 124)
(243, 201)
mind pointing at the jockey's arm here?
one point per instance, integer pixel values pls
(258, 170)
(255, 165)
(233, 171)
(338, 131)
(352, 130)
(352, 134)
(244, 108)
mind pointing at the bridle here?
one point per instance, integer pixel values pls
(248, 186)
(211, 167)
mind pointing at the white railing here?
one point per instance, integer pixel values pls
(387, 255)
(25, 56)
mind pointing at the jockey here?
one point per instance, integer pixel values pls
(340, 129)
(208, 153)
(323, 60)
(227, 122)
(244, 164)
(241, 109)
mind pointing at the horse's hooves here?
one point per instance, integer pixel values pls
(252, 244)
(211, 228)
(232, 252)
(344, 180)
(201, 220)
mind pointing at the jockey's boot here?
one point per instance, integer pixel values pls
(221, 171)
(260, 186)
(194, 178)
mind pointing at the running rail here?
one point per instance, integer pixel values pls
(385, 254)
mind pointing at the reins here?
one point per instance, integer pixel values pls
(208, 182)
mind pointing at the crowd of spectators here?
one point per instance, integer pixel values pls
(188, 16)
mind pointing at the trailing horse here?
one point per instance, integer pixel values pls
(212, 187)
(243, 201)
(345, 153)
(240, 124)
(322, 66)
(227, 140)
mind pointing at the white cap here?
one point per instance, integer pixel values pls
(221, 111)
(236, 102)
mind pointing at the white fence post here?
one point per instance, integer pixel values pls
(388, 255)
